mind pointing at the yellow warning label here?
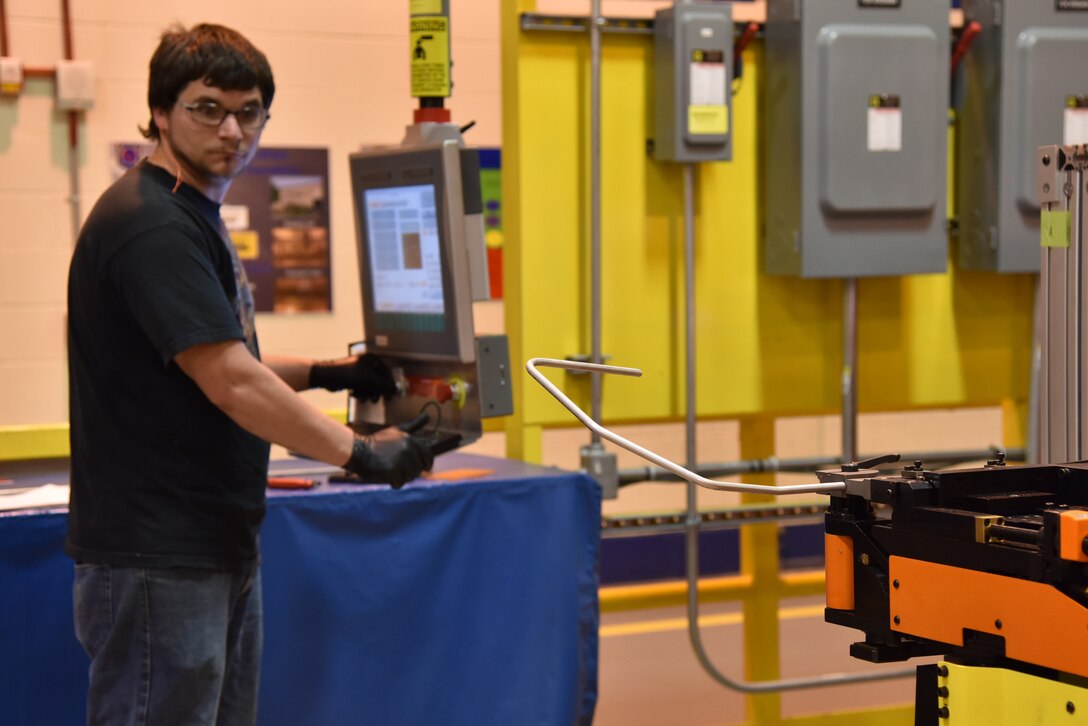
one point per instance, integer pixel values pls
(430, 50)
(1055, 228)
(425, 7)
(248, 244)
(708, 120)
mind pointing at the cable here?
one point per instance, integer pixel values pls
(437, 412)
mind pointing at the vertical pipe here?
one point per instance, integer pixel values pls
(849, 369)
(1042, 453)
(73, 130)
(689, 310)
(691, 529)
(1073, 330)
(1080, 357)
(66, 22)
(3, 29)
(595, 206)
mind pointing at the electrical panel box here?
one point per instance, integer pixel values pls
(693, 74)
(1024, 86)
(74, 85)
(855, 127)
(11, 76)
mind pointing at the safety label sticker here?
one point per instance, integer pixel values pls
(885, 123)
(430, 51)
(707, 110)
(1054, 228)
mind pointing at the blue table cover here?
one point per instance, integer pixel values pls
(471, 602)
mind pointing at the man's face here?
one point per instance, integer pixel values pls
(214, 154)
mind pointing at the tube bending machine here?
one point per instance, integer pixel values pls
(986, 567)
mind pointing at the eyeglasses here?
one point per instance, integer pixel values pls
(250, 117)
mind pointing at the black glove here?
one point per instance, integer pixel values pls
(395, 461)
(365, 375)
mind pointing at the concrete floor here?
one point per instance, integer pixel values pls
(649, 675)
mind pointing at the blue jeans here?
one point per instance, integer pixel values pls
(169, 646)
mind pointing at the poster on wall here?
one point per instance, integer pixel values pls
(277, 213)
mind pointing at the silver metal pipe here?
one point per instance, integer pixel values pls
(725, 486)
(595, 206)
(1076, 305)
(849, 369)
(689, 314)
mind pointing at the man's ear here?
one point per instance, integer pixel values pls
(162, 119)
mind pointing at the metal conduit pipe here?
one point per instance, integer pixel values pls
(595, 207)
(635, 475)
(689, 319)
(787, 684)
(850, 369)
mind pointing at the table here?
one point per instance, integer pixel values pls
(466, 602)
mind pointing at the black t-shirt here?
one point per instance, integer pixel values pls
(160, 476)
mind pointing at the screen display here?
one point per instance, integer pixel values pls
(405, 257)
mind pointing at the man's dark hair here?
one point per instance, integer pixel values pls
(219, 56)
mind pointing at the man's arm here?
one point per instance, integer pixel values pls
(366, 376)
(295, 372)
(260, 399)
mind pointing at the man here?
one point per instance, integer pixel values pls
(172, 406)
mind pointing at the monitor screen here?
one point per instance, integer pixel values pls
(413, 265)
(403, 241)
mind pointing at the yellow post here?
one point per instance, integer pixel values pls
(521, 442)
(524, 442)
(759, 561)
(1014, 418)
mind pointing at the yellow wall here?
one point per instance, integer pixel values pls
(769, 345)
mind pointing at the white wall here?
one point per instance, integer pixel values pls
(341, 69)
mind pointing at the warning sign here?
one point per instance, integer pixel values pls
(430, 49)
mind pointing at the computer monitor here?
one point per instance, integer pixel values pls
(413, 266)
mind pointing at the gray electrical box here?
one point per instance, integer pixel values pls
(1025, 86)
(693, 73)
(855, 126)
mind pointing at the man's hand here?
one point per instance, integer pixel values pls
(366, 376)
(389, 456)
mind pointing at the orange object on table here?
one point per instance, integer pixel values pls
(287, 482)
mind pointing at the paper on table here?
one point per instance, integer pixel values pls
(47, 495)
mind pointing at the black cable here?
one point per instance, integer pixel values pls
(438, 412)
